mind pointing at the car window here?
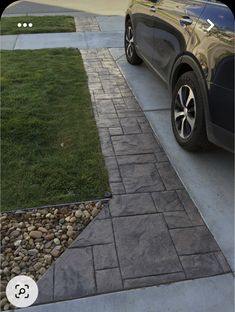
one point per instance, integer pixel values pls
(222, 17)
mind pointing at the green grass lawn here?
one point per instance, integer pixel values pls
(50, 149)
(41, 24)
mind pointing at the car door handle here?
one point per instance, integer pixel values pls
(185, 21)
(152, 8)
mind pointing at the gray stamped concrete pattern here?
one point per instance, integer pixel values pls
(151, 232)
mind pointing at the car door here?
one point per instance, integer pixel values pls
(142, 19)
(174, 21)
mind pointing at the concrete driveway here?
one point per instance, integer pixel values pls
(208, 177)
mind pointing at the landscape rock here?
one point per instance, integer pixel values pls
(56, 251)
(14, 233)
(17, 243)
(48, 259)
(73, 219)
(78, 214)
(56, 241)
(33, 239)
(49, 237)
(42, 229)
(35, 234)
(3, 302)
(33, 252)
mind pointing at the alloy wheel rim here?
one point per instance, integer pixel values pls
(129, 42)
(185, 111)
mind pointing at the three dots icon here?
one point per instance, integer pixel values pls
(24, 25)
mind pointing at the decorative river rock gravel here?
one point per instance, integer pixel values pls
(32, 239)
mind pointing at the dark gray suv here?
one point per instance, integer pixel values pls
(190, 44)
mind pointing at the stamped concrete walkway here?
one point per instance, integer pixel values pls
(151, 232)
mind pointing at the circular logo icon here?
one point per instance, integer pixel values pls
(22, 291)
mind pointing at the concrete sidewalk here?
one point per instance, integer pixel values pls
(213, 294)
(80, 40)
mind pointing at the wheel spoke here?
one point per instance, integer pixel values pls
(182, 127)
(128, 32)
(191, 122)
(129, 50)
(180, 93)
(127, 39)
(190, 97)
(178, 114)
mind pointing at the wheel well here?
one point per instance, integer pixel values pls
(182, 69)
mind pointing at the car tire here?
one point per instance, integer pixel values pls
(129, 45)
(187, 114)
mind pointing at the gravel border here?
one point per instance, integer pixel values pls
(33, 238)
(22, 210)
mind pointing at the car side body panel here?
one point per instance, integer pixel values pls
(177, 48)
(170, 34)
(141, 16)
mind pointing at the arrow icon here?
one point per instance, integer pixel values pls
(211, 25)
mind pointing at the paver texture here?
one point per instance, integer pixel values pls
(151, 232)
(105, 256)
(109, 280)
(144, 246)
(77, 274)
(86, 23)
